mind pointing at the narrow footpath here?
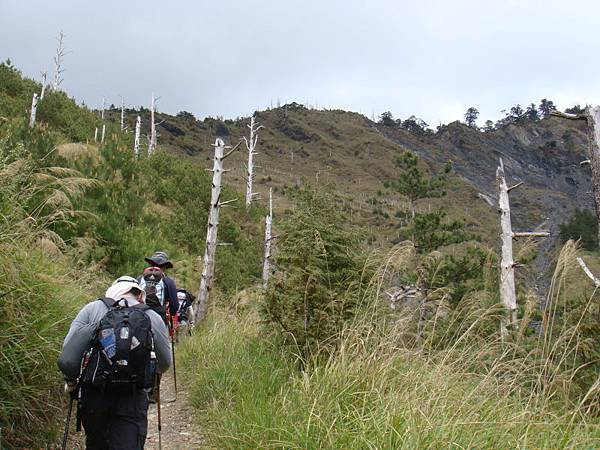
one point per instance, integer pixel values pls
(180, 430)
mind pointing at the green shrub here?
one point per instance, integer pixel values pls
(583, 226)
(318, 286)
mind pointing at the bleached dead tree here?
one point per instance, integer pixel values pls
(103, 108)
(152, 142)
(58, 61)
(268, 241)
(588, 272)
(34, 102)
(251, 146)
(592, 117)
(508, 294)
(44, 75)
(136, 141)
(208, 269)
(122, 113)
(103, 133)
(96, 135)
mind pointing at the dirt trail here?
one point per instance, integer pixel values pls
(179, 426)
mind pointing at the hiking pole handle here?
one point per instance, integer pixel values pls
(66, 434)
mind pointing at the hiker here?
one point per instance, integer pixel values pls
(186, 311)
(163, 289)
(108, 359)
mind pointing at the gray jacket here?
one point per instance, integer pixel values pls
(81, 335)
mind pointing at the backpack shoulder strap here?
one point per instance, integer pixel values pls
(142, 307)
(109, 302)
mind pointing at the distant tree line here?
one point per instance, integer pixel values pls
(413, 124)
(515, 115)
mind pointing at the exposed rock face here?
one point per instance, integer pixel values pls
(172, 128)
(545, 155)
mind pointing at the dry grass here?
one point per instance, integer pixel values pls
(461, 387)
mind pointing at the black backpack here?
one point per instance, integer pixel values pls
(119, 360)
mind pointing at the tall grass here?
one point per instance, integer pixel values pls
(39, 293)
(460, 387)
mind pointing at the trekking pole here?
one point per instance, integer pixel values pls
(158, 411)
(66, 434)
(173, 351)
(174, 369)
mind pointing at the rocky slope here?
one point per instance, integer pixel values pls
(355, 156)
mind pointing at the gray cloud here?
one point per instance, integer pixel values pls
(433, 59)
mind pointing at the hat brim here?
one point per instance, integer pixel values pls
(159, 263)
(117, 290)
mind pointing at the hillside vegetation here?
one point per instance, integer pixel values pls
(76, 215)
(319, 359)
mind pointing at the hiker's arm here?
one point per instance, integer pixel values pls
(79, 339)
(162, 346)
(171, 289)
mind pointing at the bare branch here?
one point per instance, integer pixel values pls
(515, 186)
(532, 234)
(232, 150)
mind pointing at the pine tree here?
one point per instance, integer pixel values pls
(414, 183)
(318, 284)
(546, 107)
(471, 116)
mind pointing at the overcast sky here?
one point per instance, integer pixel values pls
(431, 58)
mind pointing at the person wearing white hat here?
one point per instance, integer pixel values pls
(112, 421)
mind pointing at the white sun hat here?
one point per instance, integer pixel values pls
(122, 286)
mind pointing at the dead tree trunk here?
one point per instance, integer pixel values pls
(507, 266)
(208, 269)
(593, 116)
(268, 239)
(34, 102)
(122, 113)
(44, 75)
(58, 61)
(251, 146)
(508, 294)
(103, 108)
(152, 143)
(103, 133)
(136, 141)
(96, 135)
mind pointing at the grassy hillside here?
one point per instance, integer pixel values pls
(76, 215)
(320, 147)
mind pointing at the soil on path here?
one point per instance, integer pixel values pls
(179, 426)
(180, 430)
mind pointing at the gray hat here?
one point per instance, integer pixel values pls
(159, 259)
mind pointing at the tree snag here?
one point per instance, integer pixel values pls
(152, 143)
(136, 141)
(208, 269)
(508, 294)
(34, 102)
(251, 146)
(58, 61)
(268, 238)
(44, 82)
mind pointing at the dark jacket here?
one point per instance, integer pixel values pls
(171, 295)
